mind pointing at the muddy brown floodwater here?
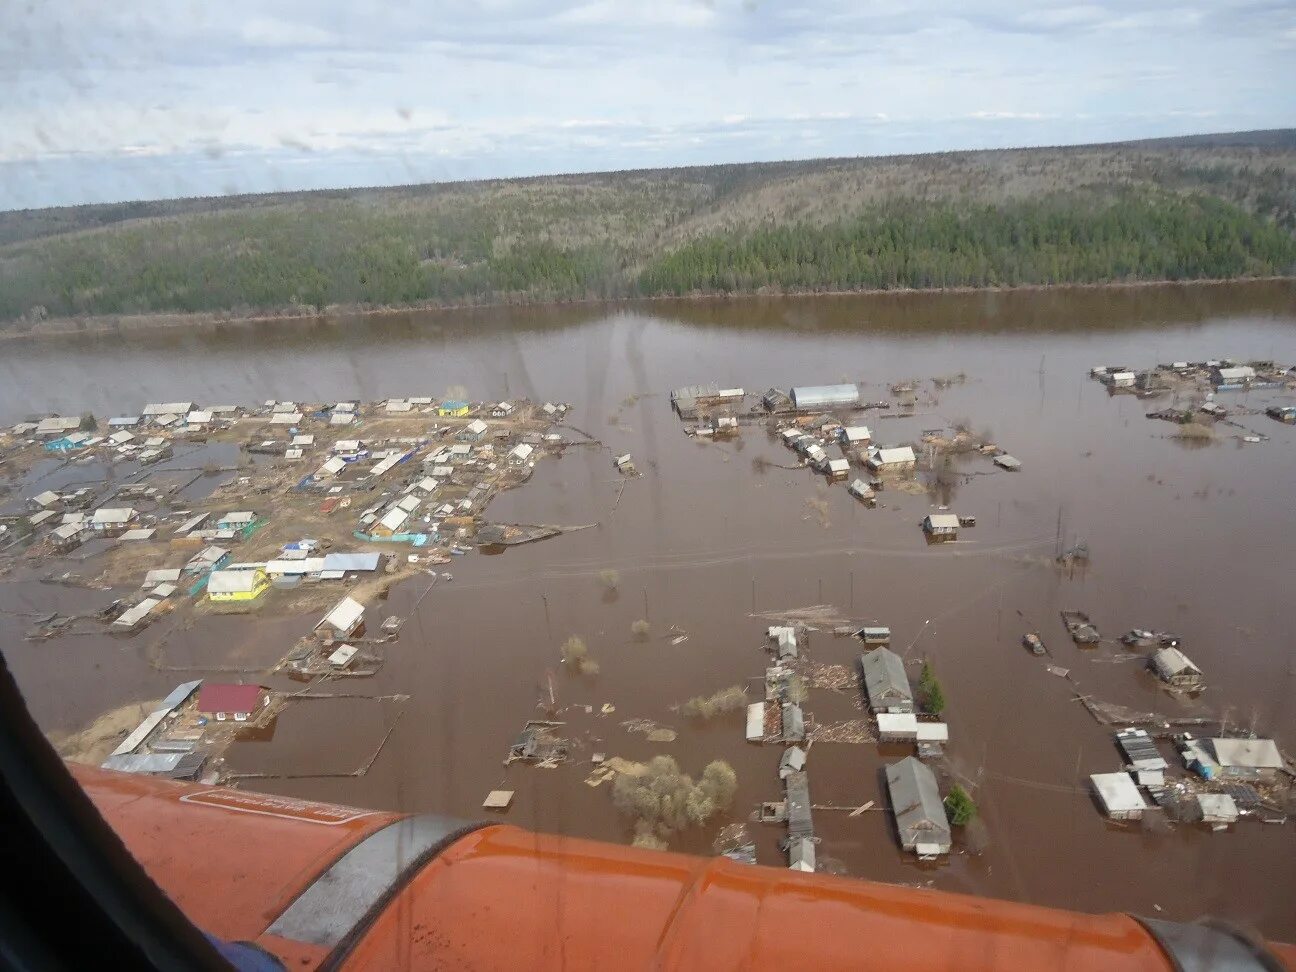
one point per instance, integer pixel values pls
(1197, 541)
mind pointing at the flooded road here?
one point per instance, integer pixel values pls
(1192, 540)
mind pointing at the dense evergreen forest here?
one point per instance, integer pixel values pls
(1173, 210)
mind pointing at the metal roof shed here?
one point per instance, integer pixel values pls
(897, 726)
(352, 561)
(824, 396)
(1119, 796)
(1217, 808)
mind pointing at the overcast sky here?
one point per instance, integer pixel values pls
(104, 100)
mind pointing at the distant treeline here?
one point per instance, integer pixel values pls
(1040, 216)
(1069, 239)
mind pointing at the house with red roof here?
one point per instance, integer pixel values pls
(223, 700)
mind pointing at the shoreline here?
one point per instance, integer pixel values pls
(132, 324)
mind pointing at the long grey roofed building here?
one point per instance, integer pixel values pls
(886, 681)
(916, 803)
(799, 821)
(824, 396)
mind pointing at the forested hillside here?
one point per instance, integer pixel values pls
(1177, 209)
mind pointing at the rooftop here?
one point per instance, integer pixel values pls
(1117, 792)
(916, 803)
(224, 697)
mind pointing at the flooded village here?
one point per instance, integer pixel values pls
(946, 608)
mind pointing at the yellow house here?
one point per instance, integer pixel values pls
(237, 585)
(453, 408)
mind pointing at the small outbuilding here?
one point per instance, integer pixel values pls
(1217, 809)
(1118, 795)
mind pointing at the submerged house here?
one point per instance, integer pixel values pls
(1173, 667)
(1236, 375)
(862, 491)
(1118, 795)
(838, 469)
(941, 526)
(885, 681)
(919, 813)
(897, 459)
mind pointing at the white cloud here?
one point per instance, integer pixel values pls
(250, 94)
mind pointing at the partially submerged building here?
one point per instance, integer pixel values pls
(1118, 795)
(862, 491)
(784, 638)
(941, 526)
(1236, 375)
(342, 621)
(885, 682)
(1173, 667)
(1217, 809)
(1233, 759)
(919, 813)
(896, 459)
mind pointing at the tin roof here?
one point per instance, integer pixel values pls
(1117, 792)
(1170, 662)
(811, 396)
(916, 803)
(1248, 753)
(351, 561)
(225, 697)
(898, 454)
(885, 678)
(344, 616)
(233, 581)
(943, 521)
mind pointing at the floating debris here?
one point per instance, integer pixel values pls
(850, 731)
(497, 800)
(539, 743)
